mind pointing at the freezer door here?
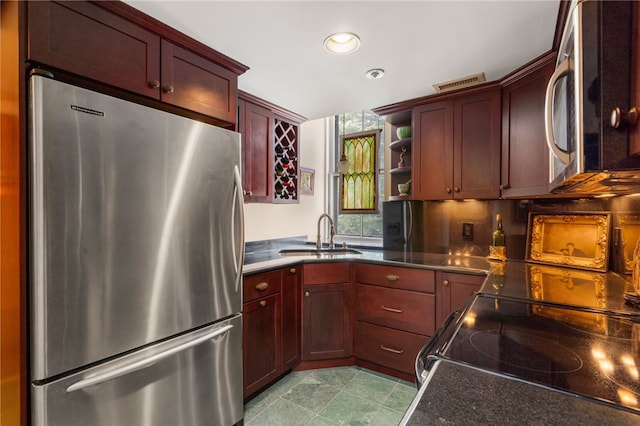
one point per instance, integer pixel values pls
(195, 379)
(136, 226)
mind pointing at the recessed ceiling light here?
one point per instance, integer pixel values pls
(375, 73)
(342, 43)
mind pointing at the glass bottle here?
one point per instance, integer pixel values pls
(498, 234)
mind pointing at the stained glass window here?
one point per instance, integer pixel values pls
(359, 183)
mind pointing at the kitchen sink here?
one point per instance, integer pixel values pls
(318, 252)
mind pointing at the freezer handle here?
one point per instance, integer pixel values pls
(147, 362)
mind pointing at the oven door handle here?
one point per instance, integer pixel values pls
(421, 363)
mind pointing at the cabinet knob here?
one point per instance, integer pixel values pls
(263, 303)
(456, 189)
(445, 283)
(154, 84)
(292, 271)
(262, 286)
(167, 89)
(247, 193)
(392, 277)
(307, 294)
(505, 186)
(448, 190)
(618, 117)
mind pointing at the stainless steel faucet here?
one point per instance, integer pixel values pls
(332, 232)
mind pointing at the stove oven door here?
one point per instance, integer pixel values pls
(436, 345)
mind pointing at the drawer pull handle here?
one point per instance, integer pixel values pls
(395, 311)
(395, 351)
(263, 303)
(262, 286)
(392, 277)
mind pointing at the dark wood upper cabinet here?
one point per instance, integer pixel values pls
(256, 127)
(476, 144)
(525, 156)
(195, 83)
(81, 38)
(432, 151)
(456, 147)
(112, 43)
(270, 150)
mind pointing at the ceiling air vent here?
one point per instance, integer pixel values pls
(470, 80)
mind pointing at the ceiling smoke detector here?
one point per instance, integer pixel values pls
(375, 73)
(470, 80)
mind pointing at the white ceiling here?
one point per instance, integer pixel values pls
(417, 43)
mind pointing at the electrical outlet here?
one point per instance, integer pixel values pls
(467, 231)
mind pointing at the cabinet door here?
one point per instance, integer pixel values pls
(291, 321)
(476, 155)
(256, 127)
(87, 40)
(262, 343)
(432, 170)
(453, 291)
(523, 135)
(198, 84)
(327, 321)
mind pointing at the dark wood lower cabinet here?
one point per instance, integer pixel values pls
(327, 321)
(453, 292)
(262, 348)
(291, 321)
(388, 347)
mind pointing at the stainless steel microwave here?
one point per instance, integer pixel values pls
(592, 77)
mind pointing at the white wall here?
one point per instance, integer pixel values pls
(267, 221)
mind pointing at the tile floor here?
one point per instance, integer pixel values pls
(331, 396)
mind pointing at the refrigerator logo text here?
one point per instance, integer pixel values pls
(87, 110)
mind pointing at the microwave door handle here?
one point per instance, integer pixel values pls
(561, 71)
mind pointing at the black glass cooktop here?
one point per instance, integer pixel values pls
(594, 355)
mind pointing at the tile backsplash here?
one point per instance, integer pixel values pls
(444, 220)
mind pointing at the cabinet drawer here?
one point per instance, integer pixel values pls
(400, 309)
(261, 285)
(391, 276)
(387, 347)
(333, 273)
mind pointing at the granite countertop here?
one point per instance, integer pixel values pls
(479, 398)
(513, 279)
(270, 258)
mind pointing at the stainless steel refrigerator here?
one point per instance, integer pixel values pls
(136, 233)
(403, 225)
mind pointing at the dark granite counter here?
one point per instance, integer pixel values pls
(510, 279)
(462, 395)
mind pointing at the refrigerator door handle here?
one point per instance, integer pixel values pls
(410, 220)
(238, 240)
(144, 363)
